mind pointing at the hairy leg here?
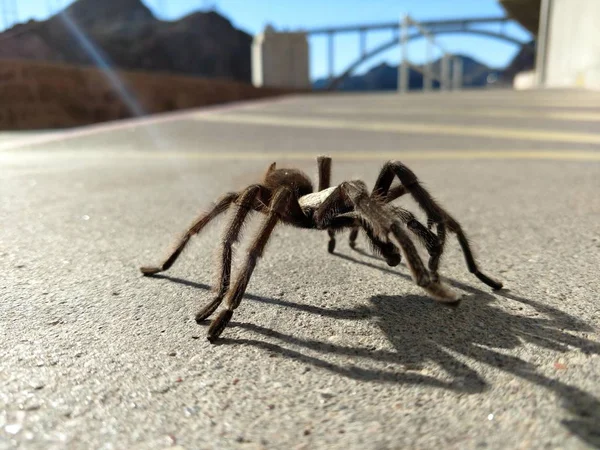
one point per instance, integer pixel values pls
(392, 194)
(324, 165)
(432, 242)
(389, 251)
(435, 213)
(384, 248)
(383, 226)
(427, 238)
(234, 296)
(218, 208)
(245, 204)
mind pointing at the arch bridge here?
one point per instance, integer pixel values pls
(434, 27)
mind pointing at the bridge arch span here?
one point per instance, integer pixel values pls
(396, 41)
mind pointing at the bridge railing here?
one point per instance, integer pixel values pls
(447, 78)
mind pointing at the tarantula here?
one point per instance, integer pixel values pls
(286, 195)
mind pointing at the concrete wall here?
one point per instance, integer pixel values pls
(524, 80)
(37, 95)
(280, 60)
(573, 44)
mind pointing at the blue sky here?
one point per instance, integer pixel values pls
(253, 15)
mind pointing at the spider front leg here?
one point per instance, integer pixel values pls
(245, 204)
(435, 213)
(389, 251)
(220, 206)
(432, 242)
(383, 226)
(234, 296)
(385, 248)
(393, 194)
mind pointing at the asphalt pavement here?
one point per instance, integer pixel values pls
(335, 351)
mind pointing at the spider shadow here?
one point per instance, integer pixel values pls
(355, 372)
(422, 332)
(477, 328)
(349, 314)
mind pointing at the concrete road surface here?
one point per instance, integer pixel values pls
(326, 351)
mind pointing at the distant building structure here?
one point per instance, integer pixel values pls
(280, 59)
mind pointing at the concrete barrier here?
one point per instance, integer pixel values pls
(525, 80)
(37, 95)
(570, 54)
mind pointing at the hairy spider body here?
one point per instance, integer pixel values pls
(287, 196)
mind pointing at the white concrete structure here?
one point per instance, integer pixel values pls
(280, 60)
(525, 80)
(569, 44)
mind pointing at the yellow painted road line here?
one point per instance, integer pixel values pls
(576, 116)
(550, 155)
(412, 155)
(491, 103)
(406, 128)
(589, 97)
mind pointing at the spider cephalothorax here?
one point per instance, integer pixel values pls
(286, 195)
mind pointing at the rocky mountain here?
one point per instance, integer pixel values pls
(382, 77)
(523, 61)
(126, 33)
(385, 77)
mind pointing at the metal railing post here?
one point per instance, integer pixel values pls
(445, 72)
(457, 73)
(444, 77)
(331, 57)
(427, 76)
(403, 66)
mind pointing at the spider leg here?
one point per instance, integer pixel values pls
(324, 165)
(434, 259)
(432, 242)
(218, 208)
(234, 296)
(352, 237)
(383, 226)
(435, 213)
(393, 194)
(245, 202)
(430, 223)
(386, 249)
(389, 251)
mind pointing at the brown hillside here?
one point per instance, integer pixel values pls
(126, 33)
